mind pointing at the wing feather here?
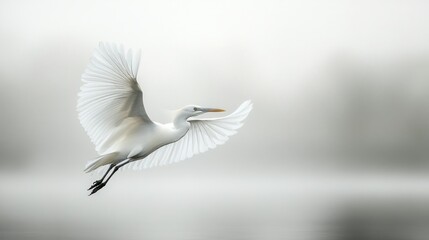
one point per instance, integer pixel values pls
(204, 134)
(110, 92)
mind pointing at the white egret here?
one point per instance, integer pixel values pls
(112, 112)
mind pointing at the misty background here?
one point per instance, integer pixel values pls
(336, 147)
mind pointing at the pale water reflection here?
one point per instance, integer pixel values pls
(293, 206)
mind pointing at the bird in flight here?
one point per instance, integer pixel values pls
(111, 110)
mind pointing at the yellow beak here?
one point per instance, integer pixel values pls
(213, 110)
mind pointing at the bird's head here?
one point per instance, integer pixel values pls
(194, 110)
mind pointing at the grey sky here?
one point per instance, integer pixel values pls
(215, 53)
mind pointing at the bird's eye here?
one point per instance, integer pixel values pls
(195, 109)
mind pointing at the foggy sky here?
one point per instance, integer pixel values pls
(214, 53)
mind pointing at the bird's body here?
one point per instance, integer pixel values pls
(112, 112)
(133, 139)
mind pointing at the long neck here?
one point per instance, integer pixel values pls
(181, 121)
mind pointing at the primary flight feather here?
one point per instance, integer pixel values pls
(112, 112)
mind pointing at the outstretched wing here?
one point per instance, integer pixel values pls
(204, 134)
(110, 92)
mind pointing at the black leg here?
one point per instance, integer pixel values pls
(116, 168)
(98, 182)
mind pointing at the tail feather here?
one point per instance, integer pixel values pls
(100, 161)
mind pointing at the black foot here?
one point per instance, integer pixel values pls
(96, 183)
(98, 187)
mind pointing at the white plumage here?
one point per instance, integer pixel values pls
(204, 134)
(112, 112)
